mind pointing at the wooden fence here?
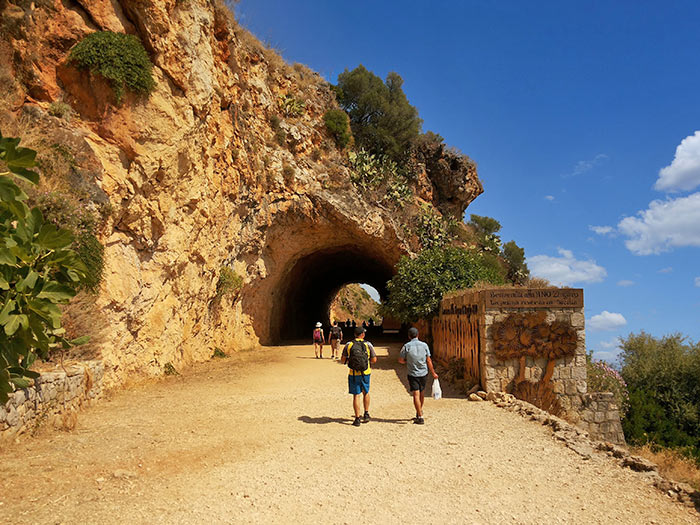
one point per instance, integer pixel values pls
(456, 333)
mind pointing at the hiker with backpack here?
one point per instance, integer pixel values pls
(416, 354)
(318, 340)
(335, 337)
(359, 354)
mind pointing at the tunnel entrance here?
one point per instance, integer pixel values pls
(314, 280)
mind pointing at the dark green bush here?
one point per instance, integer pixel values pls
(417, 288)
(662, 377)
(338, 126)
(121, 59)
(381, 118)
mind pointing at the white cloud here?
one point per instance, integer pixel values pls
(602, 230)
(584, 166)
(566, 270)
(665, 225)
(683, 174)
(625, 282)
(606, 321)
(697, 282)
(549, 197)
(668, 269)
(612, 343)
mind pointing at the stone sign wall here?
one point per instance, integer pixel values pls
(529, 342)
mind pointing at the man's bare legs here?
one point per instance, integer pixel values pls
(357, 405)
(418, 400)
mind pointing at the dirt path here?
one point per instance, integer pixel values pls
(265, 437)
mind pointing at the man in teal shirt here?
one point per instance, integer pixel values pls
(416, 355)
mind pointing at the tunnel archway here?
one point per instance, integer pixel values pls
(315, 279)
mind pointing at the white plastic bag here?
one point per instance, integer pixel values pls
(437, 391)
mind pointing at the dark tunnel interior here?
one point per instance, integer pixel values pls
(313, 282)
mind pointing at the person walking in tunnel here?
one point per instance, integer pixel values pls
(318, 341)
(359, 354)
(416, 355)
(335, 337)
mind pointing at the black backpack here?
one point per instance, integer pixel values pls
(358, 356)
(336, 332)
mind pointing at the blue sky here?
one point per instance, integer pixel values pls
(583, 118)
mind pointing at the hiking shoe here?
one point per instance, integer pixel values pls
(419, 421)
(366, 417)
(357, 422)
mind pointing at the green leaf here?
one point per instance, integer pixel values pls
(56, 292)
(28, 282)
(20, 382)
(4, 285)
(16, 157)
(80, 340)
(5, 313)
(31, 176)
(6, 257)
(12, 324)
(46, 310)
(52, 238)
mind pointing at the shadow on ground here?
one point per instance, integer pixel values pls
(324, 420)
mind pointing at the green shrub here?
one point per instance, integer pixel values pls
(338, 126)
(38, 272)
(433, 229)
(229, 282)
(662, 376)
(417, 288)
(291, 107)
(381, 118)
(219, 353)
(121, 59)
(60, 110)
(170, 370)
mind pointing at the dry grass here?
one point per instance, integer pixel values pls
(672, 464)
(82, 317)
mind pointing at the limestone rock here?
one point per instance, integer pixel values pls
(474, 397)
(639, 464)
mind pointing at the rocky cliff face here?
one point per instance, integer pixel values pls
(203, 174)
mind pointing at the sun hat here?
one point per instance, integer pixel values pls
(318, 325)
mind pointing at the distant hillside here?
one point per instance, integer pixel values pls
(353, 302)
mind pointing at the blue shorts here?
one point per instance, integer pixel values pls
(358, 384)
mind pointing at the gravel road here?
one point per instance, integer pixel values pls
(266, 437)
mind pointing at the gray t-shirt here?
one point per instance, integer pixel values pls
(416, 352)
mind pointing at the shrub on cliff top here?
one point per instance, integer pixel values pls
(381, 117)
(121, 59)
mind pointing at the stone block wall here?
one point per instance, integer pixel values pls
(53, 396)
(569, 380)
(600, 417)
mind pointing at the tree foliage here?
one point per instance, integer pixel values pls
(381, 117)
(38, 271)
(338, 126)
(417, 288)
(514, 255)
(663, 376)
(121, 59)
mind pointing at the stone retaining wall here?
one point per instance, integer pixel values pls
(600, 416)
(52, 400)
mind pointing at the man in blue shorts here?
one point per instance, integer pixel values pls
(358, 354)
(416, 355)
